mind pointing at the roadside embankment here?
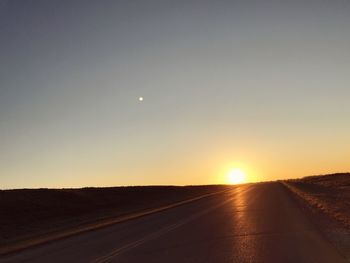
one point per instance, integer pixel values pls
(330, 194)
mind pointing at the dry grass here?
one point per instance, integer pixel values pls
(328, 193)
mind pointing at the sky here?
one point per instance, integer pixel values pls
(263, 86)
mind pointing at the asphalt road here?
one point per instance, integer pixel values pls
(251, 223)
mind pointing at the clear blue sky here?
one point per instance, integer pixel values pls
(259, 85)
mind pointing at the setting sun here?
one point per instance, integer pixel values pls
(236, 176)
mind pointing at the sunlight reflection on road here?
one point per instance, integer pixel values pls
(242, 225)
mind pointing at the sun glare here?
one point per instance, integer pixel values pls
(236, 176)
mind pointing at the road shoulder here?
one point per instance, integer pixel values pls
(332, 229)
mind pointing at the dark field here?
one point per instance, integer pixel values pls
(33, 214)
(328, 193)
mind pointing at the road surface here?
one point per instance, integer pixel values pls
(251, 223)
